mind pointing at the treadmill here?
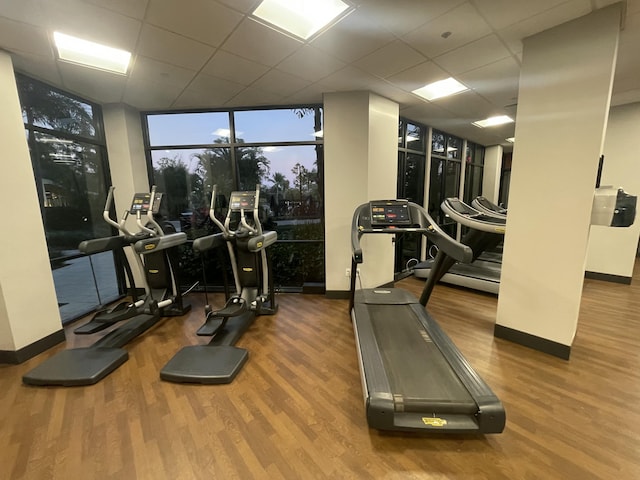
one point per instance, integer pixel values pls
(413, 376)
(486, 231)
(484, 205)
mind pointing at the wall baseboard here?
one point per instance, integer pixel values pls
(337, 294)
(606, 277)
(30, 351)
(537, 343)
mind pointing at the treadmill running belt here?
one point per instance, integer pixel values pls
(419, 375)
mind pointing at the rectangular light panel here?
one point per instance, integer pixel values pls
(95, 55)
(442, 88)
(493, 121)
(302, 18)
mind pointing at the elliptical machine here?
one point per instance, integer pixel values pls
(156, 259)
(220, 361)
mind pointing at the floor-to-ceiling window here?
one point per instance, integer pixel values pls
(474, 171)
(279, 149)
(411, 173)
(67, 147)
(446, 168)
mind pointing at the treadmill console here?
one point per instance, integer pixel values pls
(242, 201)
(390, 214)
(141, 203)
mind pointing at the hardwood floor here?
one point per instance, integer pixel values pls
(295, 410)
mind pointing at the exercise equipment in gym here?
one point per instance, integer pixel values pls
(485, 232)
(413, 376)
(155, 255)
(107, 315)
(220, 360)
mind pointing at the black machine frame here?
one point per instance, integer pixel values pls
(413, 377)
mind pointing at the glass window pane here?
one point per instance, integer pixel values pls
(401, 133)
(414, 178)
(295, 264)
(454, 147)
(435, 188)
(188, 128)
(452, 180)
(45, 107)
(290, 186)
(72, 189)
(187, 177)
(438, 143)
(415, 137)
(282, 125)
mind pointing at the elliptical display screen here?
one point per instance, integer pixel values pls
(390, 213)
(242, 201)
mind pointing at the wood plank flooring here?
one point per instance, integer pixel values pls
(295, 411)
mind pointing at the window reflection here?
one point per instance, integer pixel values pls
(275, 149)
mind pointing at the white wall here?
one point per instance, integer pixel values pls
(360, 164)
(127, 163)
(28, 304)
(491, 174)
(562, 113)
(612, 251)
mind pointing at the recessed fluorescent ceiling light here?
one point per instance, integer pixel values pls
(442, 88)
(493, 121)
(302, 18)
(83, 52)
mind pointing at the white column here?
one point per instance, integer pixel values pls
(491, 174)
(127, 162)
(612, 251)
(28, 305)
(360, 164)
(563, 103)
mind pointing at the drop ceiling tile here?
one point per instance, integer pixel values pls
(513, 34)
(234, 68)
(254, 41)
(148, 69)
(390, 59)
(402, 16)
(464, 24)
(18, 36)
(202, 20)
(311, 94)
(350, 78)
(252, 96)
(473, 55)
(352, 38)
(214, 90)
(130, 8)
(469, 106)
(99, 86)
(42, 68)
(502, 13)
(26, 11)
(497, 82)
(243, 6)
(151, 94)
(418, 76)
(172, 48)
(93, 23)
(280, 83)
(310, 63)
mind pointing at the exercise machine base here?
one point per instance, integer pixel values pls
(205, 364)
(76, 367)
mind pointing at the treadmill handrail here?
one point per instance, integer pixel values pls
(422, 223)
(472, 218)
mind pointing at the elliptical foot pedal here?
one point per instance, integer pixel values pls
(205, 364)
(77, 366)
